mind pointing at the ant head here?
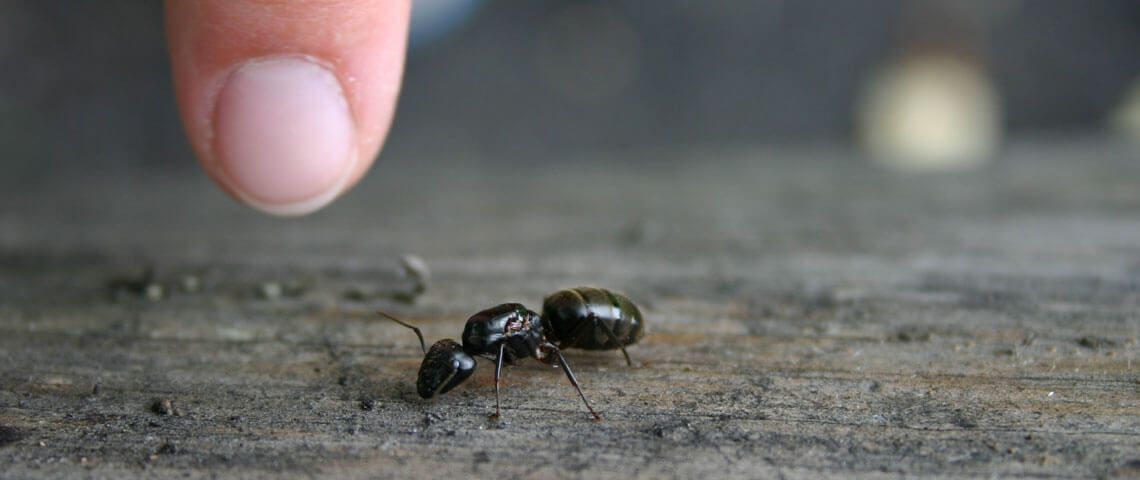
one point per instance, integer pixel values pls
(445, 366)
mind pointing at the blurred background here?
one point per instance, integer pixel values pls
(920, 84)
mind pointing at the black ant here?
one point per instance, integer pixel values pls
(583, 317)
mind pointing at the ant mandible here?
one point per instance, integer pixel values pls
(583, 317)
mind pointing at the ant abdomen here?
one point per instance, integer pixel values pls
(592, 319)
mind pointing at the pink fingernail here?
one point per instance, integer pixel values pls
(284, 138)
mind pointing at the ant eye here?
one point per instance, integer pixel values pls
(445, 366)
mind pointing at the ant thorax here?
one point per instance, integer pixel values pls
(510, 326)
(516, 325)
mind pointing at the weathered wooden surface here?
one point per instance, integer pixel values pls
(811, 316)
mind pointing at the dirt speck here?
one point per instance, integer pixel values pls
(964, 420)
(1096, 342)
(165, 407)
(9, 435)
(1130, 469)
(431, 417)
(912, 334)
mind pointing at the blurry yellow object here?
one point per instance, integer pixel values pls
(930, 113)
(1126, 116)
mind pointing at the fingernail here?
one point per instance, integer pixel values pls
(284, 138)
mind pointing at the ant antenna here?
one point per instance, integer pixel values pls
(423, 345)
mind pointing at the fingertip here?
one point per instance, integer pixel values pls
(284, 137)
(287, 103)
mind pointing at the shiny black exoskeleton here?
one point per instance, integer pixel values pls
(592, 319)
(584, 317)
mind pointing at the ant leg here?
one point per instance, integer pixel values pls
(573, 380)
(593, 321)
(423, 345)
(609, 331)
(498, 373)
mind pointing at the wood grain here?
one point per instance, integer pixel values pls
(810, 316)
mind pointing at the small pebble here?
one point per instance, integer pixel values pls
(154, 291)
(415, 267)
(163, 406)
(355, 295)
(270, 290)
(191, 284)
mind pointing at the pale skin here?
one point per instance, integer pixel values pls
(286, 103)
